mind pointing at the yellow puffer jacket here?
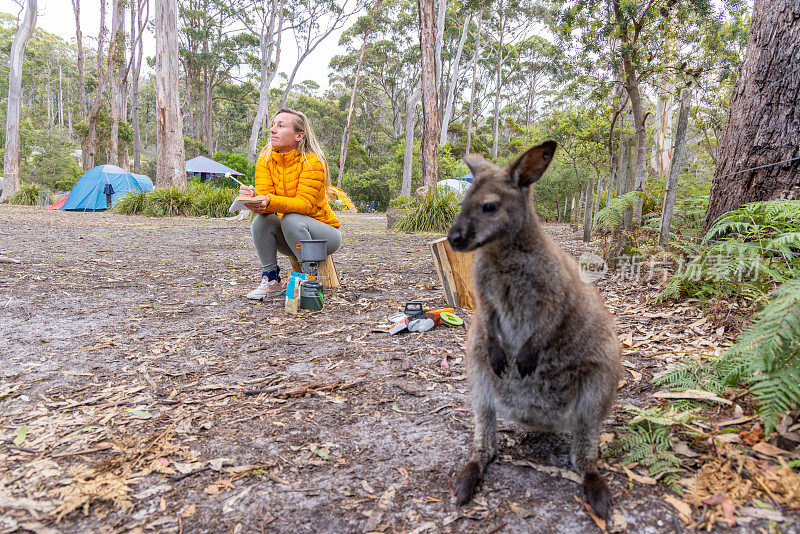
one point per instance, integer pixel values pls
(295, 184)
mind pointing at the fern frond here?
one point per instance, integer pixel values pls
(614, 212)
(767, 355)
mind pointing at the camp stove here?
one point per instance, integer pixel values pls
(312, 251)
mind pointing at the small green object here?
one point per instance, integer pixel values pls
(321, 453)
(451, 319)
(141, 414)
(21, 434)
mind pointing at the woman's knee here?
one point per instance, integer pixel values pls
(263, 223)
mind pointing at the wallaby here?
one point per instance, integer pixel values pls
(541, 348)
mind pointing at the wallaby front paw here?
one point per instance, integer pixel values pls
(527, 359)
(466, 483)
(598, 494)
(497, 358)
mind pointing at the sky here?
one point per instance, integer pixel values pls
(57, 17)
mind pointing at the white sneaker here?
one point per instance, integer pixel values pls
(267, 288)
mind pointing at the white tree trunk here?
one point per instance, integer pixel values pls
(90, 147)
(136, 57)
(14, 109)
(170, 165)
(346, 132)
(266, 44)
(115, 45)
(440, 16)
(472, 91)
(451, 90)
(408, 152)
(498, 86)
(662, 151)
(677, 161)
(60, 96)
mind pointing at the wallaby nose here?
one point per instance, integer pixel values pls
(457, 238)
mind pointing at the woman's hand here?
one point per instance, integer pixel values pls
(247, 191)
(259, 207)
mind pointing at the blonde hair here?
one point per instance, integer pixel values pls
(307, 145)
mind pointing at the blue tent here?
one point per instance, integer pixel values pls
(103, 183)
(465, 178)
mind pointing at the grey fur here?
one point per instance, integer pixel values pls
(541, 349)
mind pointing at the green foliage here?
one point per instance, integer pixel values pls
(210, 200)
(745, 253)
(66, 184)
(194, 148)
(46, 158)
(767, 355)
(26, 195)
(433, 213)
(238, 163)
(132, 203)
(198, 199)
(401, 202)
(372, 184)
(168, 202)
(648, 440)
(693, 374)
(764, 358)
(612, 215)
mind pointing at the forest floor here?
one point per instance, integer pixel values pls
(142, 392)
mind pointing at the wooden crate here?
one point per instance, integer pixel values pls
(327, 272)
(455, 273)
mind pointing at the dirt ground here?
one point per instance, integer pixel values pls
(142, 392)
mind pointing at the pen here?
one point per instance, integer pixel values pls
(228, 175)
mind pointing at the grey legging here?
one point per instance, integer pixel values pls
(271, 234)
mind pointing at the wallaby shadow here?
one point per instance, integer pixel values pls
(538, 447)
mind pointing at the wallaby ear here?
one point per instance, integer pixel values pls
(530, 166)
(475, 162)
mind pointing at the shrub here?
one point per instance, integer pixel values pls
(197, 199)
(131, 204)
(433, 213)
(764, 358)
(372, 184)
(168, 202)
(401, 202)
(26, 195)
(745, 253)
(238, 163)
(210, 200)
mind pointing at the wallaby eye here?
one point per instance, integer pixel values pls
(489, 207)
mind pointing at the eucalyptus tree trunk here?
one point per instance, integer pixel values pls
(662, 123)
(346, 132)
(115, 68)
(472, 91)
(427, 39)
(634, 93)
(408, 152)
(674, 171)
(170, 165)
(498, 82)
(451, 90)
(136, 59)
(14, 109)
(97, 99)
(759, 150)
(76, 6)
(266, 44)
(60, 97)
(440, 17)
(69, 110)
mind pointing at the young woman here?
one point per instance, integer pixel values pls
(292, 173)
